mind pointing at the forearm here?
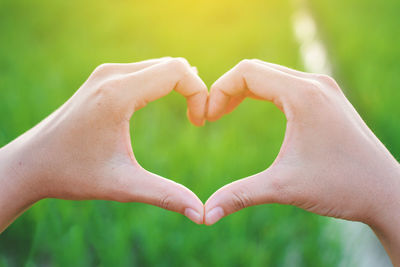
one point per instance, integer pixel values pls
(17, 192)
(389, 236)
(387, 226)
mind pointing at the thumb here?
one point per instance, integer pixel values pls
(261, 188)
(139, 185)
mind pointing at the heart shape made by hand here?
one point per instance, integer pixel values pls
(88, 152)
(303, 173)
(309, 171)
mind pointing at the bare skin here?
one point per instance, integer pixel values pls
(83, 150)
(330, 162)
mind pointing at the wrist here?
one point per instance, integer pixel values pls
(18, 169)
(386, 222)
(18, 186)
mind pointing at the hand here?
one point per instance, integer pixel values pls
(330, 162)
(83, 150)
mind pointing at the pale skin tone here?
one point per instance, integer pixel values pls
(83, 150)
(330, 162)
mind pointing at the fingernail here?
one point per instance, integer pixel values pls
(214, 215)
(198, 122)
(193, 215)
(201, 122)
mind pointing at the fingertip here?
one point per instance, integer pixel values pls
(155, 190)
(194, 210)
(200, 123)
(212, 118)
(213, 215)
(212, 114)
(196, 121)
(217, 104)
(197, 104)
(194, 216)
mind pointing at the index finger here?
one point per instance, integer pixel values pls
(139, 88)
(250, 77)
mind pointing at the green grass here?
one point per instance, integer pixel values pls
(48, 48)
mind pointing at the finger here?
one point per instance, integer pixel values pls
(195, 70)
(228, 103)
(258, 189)
(260, 80)
(138, 185)
(139, 88)
(233, 103)
(217, 104)
(285, 69)
(125, 68)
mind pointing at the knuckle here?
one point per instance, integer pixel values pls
(103, 68)
(311, 90)
(180, 67)
(311, 87)
(323, 78)
(105, 88)
(245, 64)
(105, 93)
(105, 100)
(182, 60)
(327, 80)
(313, 94)
(102, 72)
(179, 64)
(318, 92)
(241, 200)
(165, 202)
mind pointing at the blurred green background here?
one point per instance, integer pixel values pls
(49, 47)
